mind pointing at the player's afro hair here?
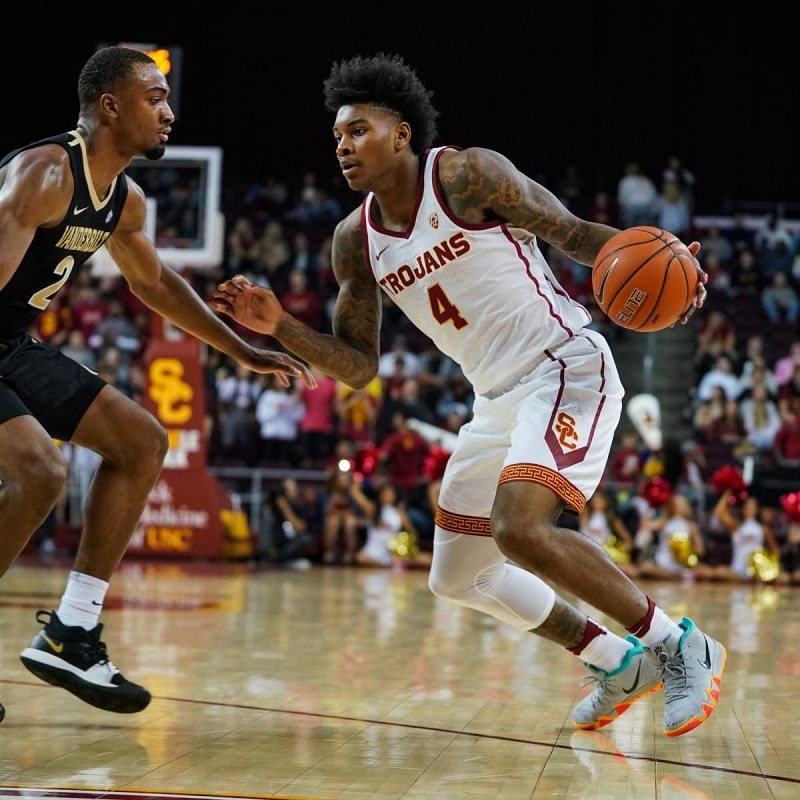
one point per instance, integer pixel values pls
(386, 81)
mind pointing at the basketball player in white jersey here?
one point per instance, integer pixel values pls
(451, 235)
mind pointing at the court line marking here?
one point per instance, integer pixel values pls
(477, 734)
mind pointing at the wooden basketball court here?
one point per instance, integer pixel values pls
(359, 684)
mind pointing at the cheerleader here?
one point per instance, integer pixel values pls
(599, 521)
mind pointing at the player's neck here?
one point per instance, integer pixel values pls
(396, 195)
(105, 160)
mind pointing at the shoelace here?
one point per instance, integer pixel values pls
(98, 651)
(591, 678)
(675, 689)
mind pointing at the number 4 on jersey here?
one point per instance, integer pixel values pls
(442, 309)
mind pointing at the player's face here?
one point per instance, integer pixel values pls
(145, 114)
(366, 144)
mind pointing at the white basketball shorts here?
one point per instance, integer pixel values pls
(553, 426)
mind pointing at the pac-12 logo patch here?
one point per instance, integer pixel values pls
(565, 428)
(433, 220)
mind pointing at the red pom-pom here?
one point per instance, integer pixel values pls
(728, 478)
(791, 506)
(435, 462)
(657, 492)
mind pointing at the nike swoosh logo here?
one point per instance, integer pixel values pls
(635, 682)
(54, 646)
(95, 603)
(707, 662)
(601, 292)
(77, 210)
(378, 257)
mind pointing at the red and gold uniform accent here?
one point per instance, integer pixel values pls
(535, 473)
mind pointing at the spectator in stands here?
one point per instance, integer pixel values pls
(772, 232)
(273, 252)
(785, 366)
(55, 322)
(77, 350)
(760, 417)
(284, 534)
(721, 375)
(758, 375)
(302, 258)
(300, 301)
(626, 463)
(385, 519)
(458, 396)
(636, 198)
(673, 211)
(677, 172)
(115, 330)
(729, 428)
(675, 528)
(386, 364)
(708, 411)
(746, 276)
(720, 283)
(718, 245)
(345, 505)
(88, 310)
(278, 412)
(242, 246)
(789, 397)
(779, 300)
(237, 394)
(404, 452)
(318, 426)
(747, 535)
(716, 338)
(357, 410)
(787, 442)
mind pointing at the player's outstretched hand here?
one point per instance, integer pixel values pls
(258, 308)
(283, 365)
(253, 306)
(702, 280)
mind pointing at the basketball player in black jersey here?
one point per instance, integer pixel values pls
(61, 199)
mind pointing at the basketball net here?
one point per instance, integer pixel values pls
(644, 411)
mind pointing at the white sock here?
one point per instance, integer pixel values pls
(606, 651)
(663, 629)
(82, 601)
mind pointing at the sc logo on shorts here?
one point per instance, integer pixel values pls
(565, 428)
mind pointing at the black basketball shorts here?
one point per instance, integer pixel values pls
(37, 379)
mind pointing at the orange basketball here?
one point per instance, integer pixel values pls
(644, 278)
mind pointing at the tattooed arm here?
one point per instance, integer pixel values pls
(482, 185)
(351, 354)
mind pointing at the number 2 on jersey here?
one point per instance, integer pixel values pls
(42, 298)
(442, 309)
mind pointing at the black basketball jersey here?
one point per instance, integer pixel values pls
(55, 253)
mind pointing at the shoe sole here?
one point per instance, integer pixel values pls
(619, 710)
(713, 693)
(88, 692)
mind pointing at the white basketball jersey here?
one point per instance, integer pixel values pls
(483, 294)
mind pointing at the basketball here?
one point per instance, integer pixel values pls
(644, 279)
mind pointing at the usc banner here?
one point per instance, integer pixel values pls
(182, 518)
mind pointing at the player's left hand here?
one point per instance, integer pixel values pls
(702, 280)
(283, 365)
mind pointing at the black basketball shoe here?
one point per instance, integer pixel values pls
(2, 713)
(76, 660)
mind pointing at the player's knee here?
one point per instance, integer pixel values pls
(449, 584)
(522, 540)
(148, 444)
(42, 473)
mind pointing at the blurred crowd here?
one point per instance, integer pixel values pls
(382, 474)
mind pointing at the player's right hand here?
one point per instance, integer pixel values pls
(253, 306)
